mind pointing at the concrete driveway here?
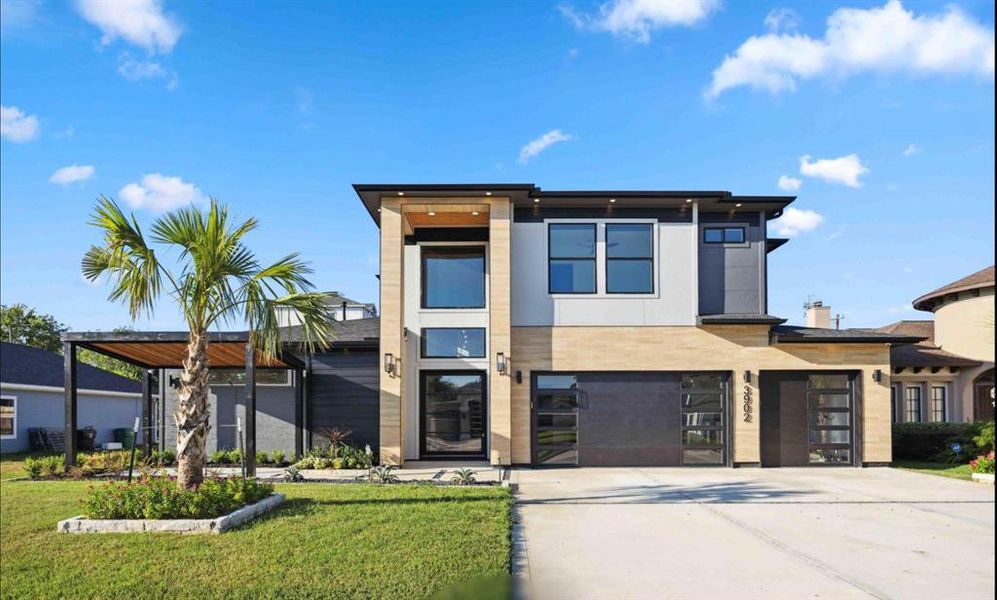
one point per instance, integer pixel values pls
(752, 533)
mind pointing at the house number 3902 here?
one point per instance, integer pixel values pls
(747, 403)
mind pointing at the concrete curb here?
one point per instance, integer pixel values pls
(79, 524)
(984, 478)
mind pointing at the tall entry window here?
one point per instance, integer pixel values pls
(629, 258)
(453, 276)
(829, 418)
(454, 418)
(571, 257)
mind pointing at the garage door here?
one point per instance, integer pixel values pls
(807, 419)
(601, 419)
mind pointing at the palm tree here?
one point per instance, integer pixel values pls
(215, 280)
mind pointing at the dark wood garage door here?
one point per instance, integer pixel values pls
(807, 419)
(629, 419)
(343, 392)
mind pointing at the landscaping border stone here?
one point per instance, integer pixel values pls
(79, 524)
(984, 478)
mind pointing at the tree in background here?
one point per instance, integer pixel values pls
(21, 324)
(24, 325)
(215, 279)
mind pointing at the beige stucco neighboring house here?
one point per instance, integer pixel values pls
(950, 375)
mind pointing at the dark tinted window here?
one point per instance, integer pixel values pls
(734, 235)
(724, 235)
(453, 277)
(629, 258)
(557, 382)
(571, 248)
(629, 240)
(713, 235)
(453, 342)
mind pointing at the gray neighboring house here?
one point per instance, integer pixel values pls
(31, 395)
(341, 307)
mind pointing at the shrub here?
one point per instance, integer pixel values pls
(160, 498)
(337, 437)
(463, 477)
(933, 441)
(983, 464)
(314, 462)
(234, 457)
(292, 475)
(985, 438)
(162, 458)
(262, 458)
(338, 463)
(220, 457)
(278, 457)
(33, 466)
(104, 462)
(380, 475)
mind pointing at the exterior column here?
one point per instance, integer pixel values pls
(499, 331)
(299, 413)
(392, 394)
(745, 416)
(250, 458)
(69, 374)
(147, 412)
(306, 418)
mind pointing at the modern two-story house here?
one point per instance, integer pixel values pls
(607, 328)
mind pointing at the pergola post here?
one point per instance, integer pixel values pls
(299, 413)
(306, 391)
(250, 459)
(147, 412)
(69, 373)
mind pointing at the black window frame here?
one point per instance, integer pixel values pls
(723, 234)
(423, 338)
(935, 402)
(813, 392)
(909, 403)
(455, 249)
(594, 259)
(649, 259)
(423, 453)
(724, 429)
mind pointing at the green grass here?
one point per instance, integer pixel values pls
(342, 541)
(934, 468)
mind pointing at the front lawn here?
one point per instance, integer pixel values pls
(343, 541)
(936, 468)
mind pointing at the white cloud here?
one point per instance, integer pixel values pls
(72, 174)
(782, 19)
(538, 145)
(17, 126)
(845, 170)
(139, 22)
(885, 39)
(795, 221)
(911, 150)
(160, 193)
(636, 19)
(790, 184)
(134, 69)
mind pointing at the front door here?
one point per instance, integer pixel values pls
(807, 419)
(453, 414)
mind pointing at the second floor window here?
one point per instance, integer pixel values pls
(453, 342)
(723, 235)
(571, 258)
(913, 412)
(629, 258)
(453, 276)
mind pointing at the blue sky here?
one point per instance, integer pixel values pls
(881, 114)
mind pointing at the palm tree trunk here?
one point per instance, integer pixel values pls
(192, 413)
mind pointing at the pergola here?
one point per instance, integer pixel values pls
(154, 350)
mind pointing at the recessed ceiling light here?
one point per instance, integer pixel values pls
(475, 213)
(431, 213)
(688, 200)
(379, 210)
(738, 205)
(488, 193)
(536, 200)
(401, 193)
(612, 200)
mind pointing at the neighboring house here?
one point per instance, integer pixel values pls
(601, 328)
(31, 395)
(950, 375)
(341, 308)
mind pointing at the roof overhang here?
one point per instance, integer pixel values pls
(528, 194)
(168, 349)
(772, 244)
(929, 302)
(740, 319)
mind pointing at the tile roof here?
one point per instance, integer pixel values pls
(345, 333)
(924, 353)
(35, 366)
(980, 279)
(336, 298)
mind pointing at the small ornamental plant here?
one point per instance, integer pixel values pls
(160, 498)
(983, 464)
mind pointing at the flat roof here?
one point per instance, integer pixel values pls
(528, 194)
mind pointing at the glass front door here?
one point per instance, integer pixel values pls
(829, 419)
(454, 418)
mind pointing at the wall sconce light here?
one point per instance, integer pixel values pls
(519, 377)
(877, 375)
(389, 364)
(500, 363)
(747, 377)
